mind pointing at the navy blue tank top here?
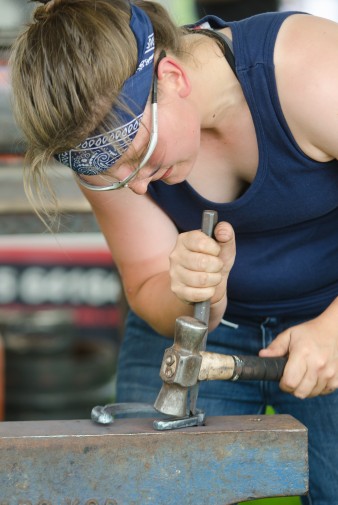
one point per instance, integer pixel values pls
(286, 223)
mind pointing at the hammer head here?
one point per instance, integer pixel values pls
(172, 400)
(180, 366)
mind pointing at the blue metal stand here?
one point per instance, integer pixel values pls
(231, 459)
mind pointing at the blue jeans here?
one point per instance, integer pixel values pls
(138, 380)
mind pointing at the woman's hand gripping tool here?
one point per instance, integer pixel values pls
(186, 363)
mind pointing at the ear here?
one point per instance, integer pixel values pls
(171, 72)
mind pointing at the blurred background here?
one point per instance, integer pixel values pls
(186, 11)
(61, 303)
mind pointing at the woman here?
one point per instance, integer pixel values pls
(160, 123)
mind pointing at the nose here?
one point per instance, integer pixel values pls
(139, 186)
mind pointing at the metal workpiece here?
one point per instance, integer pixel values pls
(174, 423)
(231, 459)
(106, 414)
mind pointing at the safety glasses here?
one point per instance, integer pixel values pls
(151, 146)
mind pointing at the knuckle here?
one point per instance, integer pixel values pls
(321, 365)
(191, 295)
(198, 296)
(219, 279)
(202, 242)
(301, 394)
(203, 279)
(175, 290)
(289, 383)
(203, 294)
(202, 262)
(330, 373)
(173, 257)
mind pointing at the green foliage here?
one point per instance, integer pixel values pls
(276, 501)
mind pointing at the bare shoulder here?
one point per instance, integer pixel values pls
(305, 36)
(306, 67)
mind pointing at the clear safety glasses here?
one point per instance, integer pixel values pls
(151, 146)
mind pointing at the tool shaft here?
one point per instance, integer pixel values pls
(202, 309)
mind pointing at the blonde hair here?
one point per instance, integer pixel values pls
(68, 67)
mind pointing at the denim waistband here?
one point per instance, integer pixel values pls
(267, 321)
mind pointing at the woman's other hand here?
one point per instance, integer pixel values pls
(312, 347)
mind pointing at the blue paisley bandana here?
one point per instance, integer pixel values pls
(97, 153)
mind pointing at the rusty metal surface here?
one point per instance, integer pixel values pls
(129, 463)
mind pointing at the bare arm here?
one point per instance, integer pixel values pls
(306, 66)
(154, 261)
(306, 61)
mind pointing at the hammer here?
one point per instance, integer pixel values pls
(186, 363)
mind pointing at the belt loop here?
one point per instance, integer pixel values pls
(263, 330)
(229, 323)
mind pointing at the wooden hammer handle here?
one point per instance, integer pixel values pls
(227, 367)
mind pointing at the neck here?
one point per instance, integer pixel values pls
(215, 88)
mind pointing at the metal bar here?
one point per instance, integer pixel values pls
(202, 309)
(129, 463)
